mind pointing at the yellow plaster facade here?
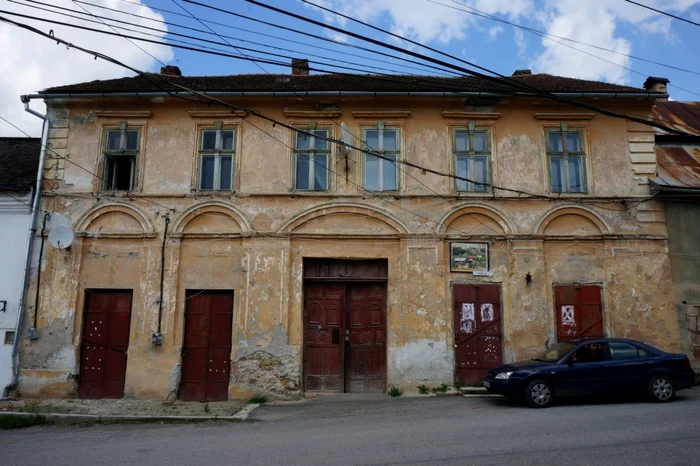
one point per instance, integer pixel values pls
(253, 239)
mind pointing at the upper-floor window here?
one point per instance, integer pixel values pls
(566, 160)
(217, 148)
(381, 170)
(121, 149)
(311, 155)
(472, 151)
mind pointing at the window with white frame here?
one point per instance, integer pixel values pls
(121, 149)
(217, 150)
(381, 170)
(472, 152)
(565, 151)
(311, 155)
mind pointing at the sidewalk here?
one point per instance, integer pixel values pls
(71, 411)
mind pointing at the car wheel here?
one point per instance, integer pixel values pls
(661, 388)
(539, 394)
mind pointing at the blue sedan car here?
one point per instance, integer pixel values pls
(607, 366)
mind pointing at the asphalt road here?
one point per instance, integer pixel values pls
(382, 431)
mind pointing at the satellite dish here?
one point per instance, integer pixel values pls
(61, 237)
(347, 137)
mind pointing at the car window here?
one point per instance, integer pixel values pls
(620, 351)
(592, 352)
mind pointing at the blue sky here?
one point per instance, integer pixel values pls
(31, 63)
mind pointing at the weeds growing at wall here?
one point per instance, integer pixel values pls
(423, 389)
(259, 399)
(442, 388)
(395, 391)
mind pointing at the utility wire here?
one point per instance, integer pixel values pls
(513, 82)
(295, 31)
(544, 35)
(272, 120)
(664, 13)
(166, 32)
(127, 194)
(473, 11)
(414, 80)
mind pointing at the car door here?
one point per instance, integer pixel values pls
(628, 369)
(584, 371)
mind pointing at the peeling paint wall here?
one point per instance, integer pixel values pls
(253, 240)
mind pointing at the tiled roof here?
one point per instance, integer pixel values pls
(19, 161)
(333, 82)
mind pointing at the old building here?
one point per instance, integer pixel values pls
(678, 184)
(19, 160)
(218, 254)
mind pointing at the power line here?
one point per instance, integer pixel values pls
(130, 41)
(664, 13)
(473, 11)
(549, 37)
(278, 26)
(514, 83)
(166, 32)
(444, 87)
(337, 124)
(272, 120)
(127, 194)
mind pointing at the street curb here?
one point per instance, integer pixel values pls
(484, 395)
(71, 419)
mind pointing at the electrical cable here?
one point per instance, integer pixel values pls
(515, 83)
(278, 26)
(166, 32)
(664, 13)
(546, 36)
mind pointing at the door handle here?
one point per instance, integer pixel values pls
(347, 334)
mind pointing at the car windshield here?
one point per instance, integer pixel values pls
(554, 353)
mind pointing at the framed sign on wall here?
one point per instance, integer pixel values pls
(469, 257)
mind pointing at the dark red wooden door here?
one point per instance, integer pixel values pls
(206, 355)
(104, 344)
(477, 330)
(579, 311)
(323, 336)
(365, 355)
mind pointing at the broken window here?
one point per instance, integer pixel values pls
(311, 155)
(216, 159)
(472, 152)
(565, 152)
(121, 150)
(381, 170)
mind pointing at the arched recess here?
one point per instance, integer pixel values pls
(571, 221)
(477, 220)
(212, 218)
(116, 219)
(345, 218)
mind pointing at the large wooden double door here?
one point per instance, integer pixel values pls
(345, 337)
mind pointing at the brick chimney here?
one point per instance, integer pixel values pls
(653, 84)
(522, 72)
(170, 70)
(300, 67)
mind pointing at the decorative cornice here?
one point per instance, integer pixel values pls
(217, 114)
(123, 113)
(470, 115)
(563, 116)
(381, 113)
(312, 113)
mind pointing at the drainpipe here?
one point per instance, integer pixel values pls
(30, 242)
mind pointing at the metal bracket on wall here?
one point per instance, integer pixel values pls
(3, 306)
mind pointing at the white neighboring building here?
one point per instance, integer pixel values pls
(19, 160)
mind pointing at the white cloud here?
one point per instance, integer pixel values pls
(421, 20)
(494, 31)
(31, 63)
(598, 23)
